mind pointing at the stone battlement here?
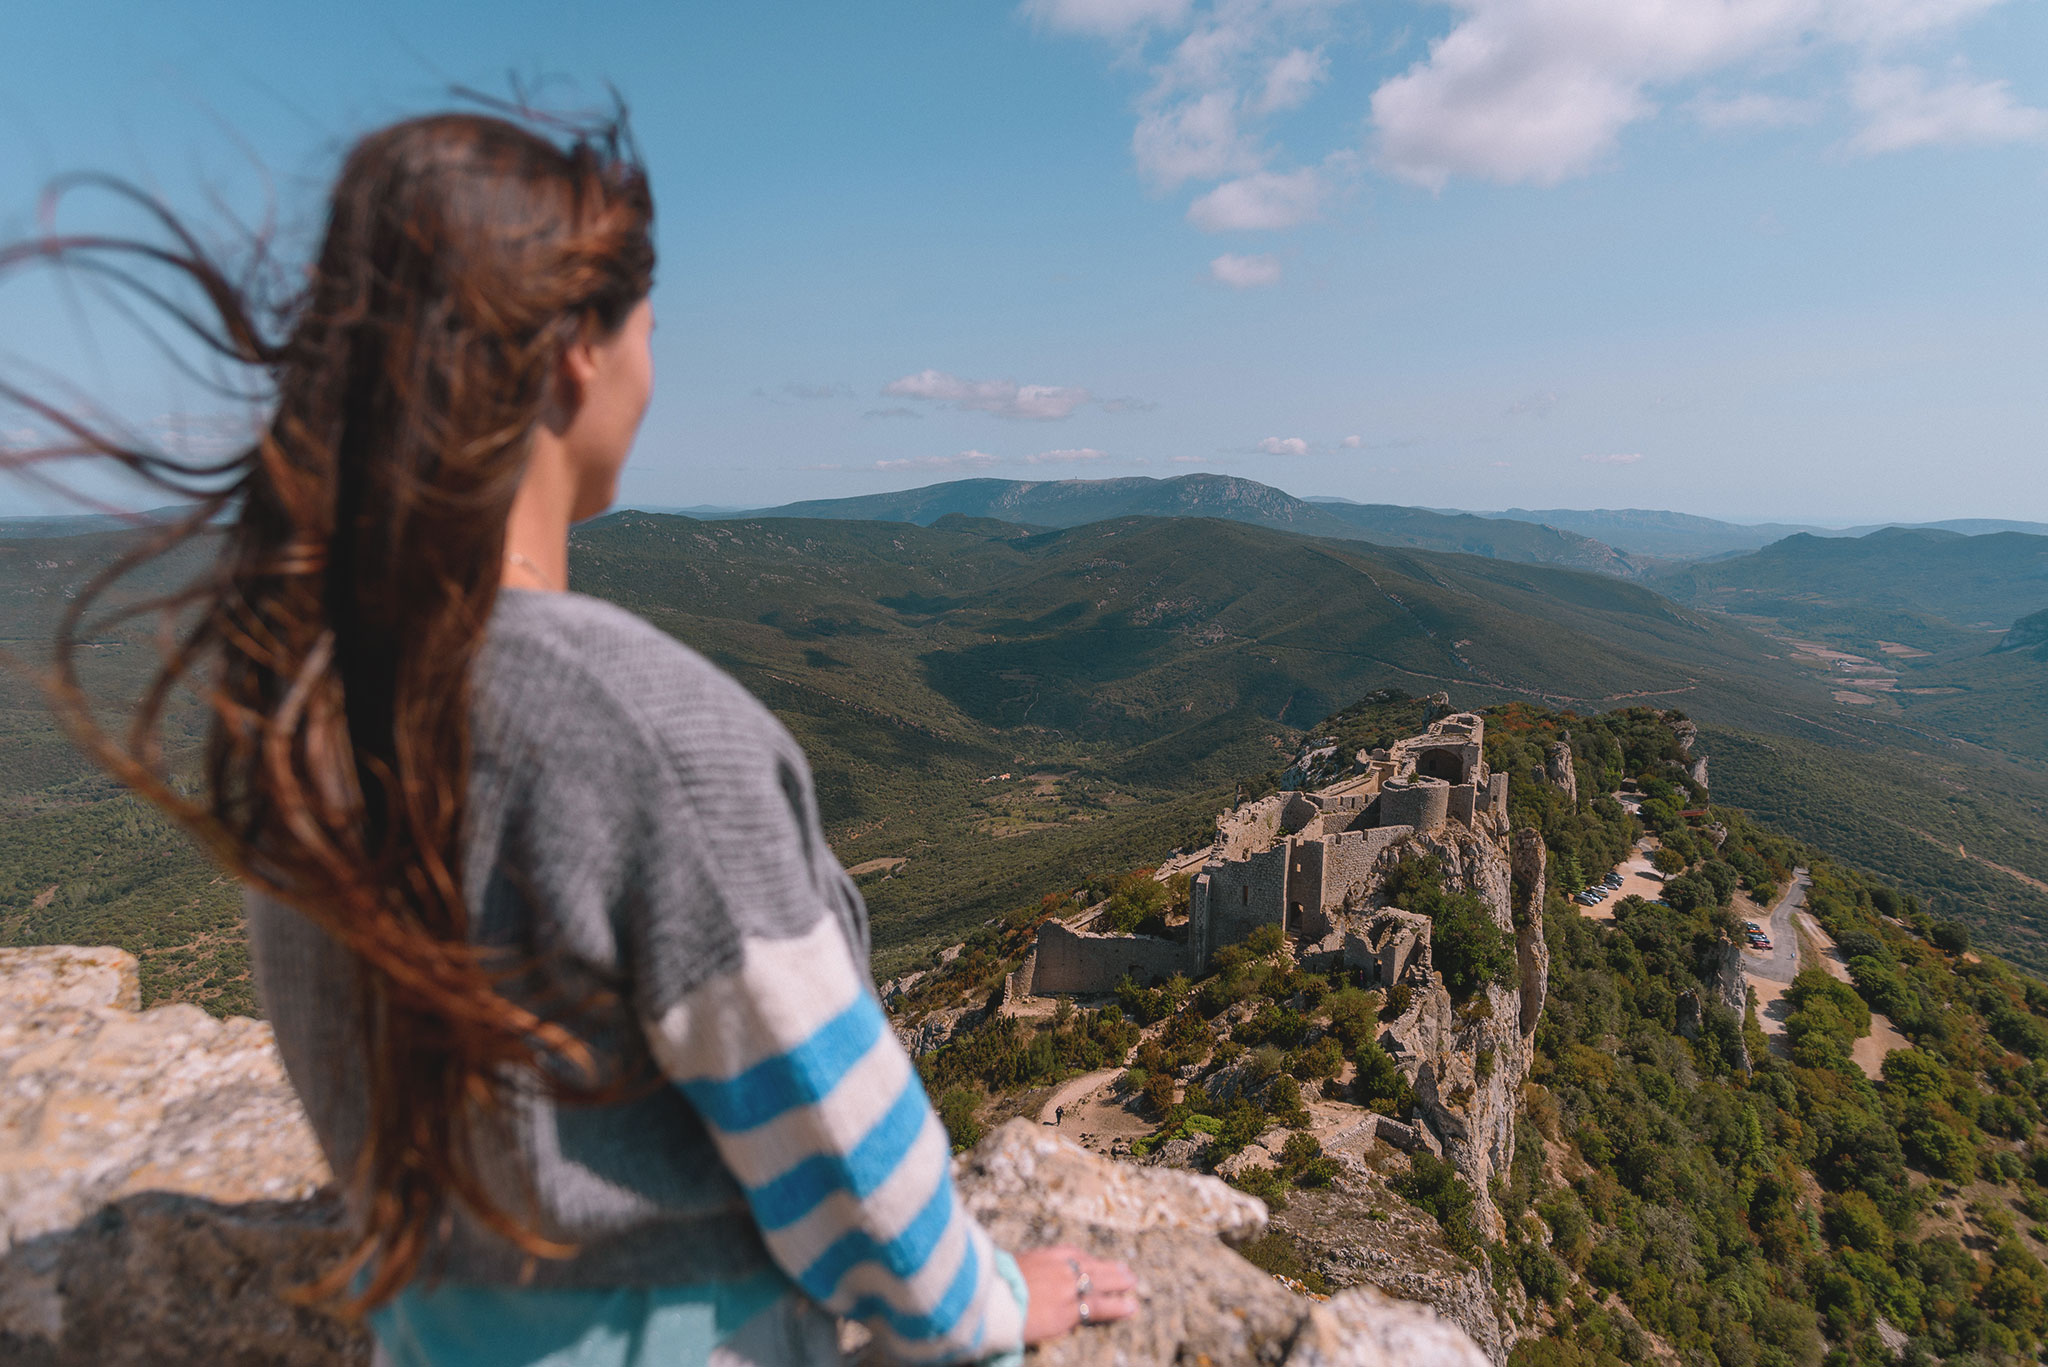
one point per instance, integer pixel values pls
(1296, 860)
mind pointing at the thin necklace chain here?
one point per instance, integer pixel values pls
(514, 558)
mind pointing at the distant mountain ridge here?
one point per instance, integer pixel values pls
(1926, 587)
(1077, 502)
(1663, 535)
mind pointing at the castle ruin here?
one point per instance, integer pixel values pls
(1307, 863)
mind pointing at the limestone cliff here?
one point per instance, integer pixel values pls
(162, 1192)
(1467, 1062)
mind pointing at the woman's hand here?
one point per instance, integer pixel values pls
(1061, 1280)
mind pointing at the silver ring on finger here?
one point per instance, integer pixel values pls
(1086, 1317)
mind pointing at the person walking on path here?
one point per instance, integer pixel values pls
(575, 994)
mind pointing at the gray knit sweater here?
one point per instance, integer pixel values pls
(638, 822)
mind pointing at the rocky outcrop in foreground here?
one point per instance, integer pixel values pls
(1202, 1303)
(160, 1193)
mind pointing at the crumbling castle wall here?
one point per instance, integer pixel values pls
(1250, 827)
(1081, 962)
(1422, 803)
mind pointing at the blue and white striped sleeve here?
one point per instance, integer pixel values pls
(816, 1109)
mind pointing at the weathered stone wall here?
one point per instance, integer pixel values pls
(1251, 827)
(1243, 895)
(1388, 944)
(1422, 803)
(1351, 861)
(1079, 962)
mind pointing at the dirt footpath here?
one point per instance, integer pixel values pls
(1884, 1037)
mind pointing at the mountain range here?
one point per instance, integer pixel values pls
(1075, 502)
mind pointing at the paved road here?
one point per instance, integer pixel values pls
(1781, 963)
(1077, 1090)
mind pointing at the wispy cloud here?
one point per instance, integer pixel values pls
(1245, 272)
(963, 460)
(1514, 91)
(1903, 109)
(1751, 109)
(1537, 404)
(1003, 398)
(1616, 458)
(1352, 443)
(1262, 202)
(1080, 455)
(1283, 446)
(897, 412)
(1105, 18)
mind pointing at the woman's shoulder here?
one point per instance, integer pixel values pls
(561, 658)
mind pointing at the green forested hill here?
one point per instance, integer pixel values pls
(1127, 676)
(1075, 502)
(1929, 590)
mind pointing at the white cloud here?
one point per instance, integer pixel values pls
(1193, 140)
(1263, 202)
(1352, 443)
(1514, 91)
(1245, 272)
(1902, 110)
(1081, 455)
(1618, 458)
(1004, 398)
(1539, 91)
(1105, 18)
(1751, 109)
(964, 460)
(1283, 446)
(1291, 79)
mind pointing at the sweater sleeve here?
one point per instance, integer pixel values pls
(809, 1097)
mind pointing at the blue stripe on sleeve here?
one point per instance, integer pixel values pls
(782, 1201)
(801, 1076)
(942, 1318)
(903, 1255)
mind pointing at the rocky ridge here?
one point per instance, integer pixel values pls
(162, 1194)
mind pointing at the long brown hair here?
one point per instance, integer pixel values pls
(361, 553)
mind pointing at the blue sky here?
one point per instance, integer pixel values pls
(1745, 258)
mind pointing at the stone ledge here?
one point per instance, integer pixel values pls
(162, 1193)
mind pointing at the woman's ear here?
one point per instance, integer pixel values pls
(574, 371)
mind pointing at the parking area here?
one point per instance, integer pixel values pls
(1638, 879)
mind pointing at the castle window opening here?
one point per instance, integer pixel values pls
(1245, 894)
(1444, 764)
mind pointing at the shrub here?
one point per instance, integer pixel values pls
(1469, 949)
(1277, 1254)
(1433, 1185)
(1266, 940)
(1283, 1102)
(1379, 1084)
(1952, 937)
(1263, 1182)
(1399, 997)
(957, 1113)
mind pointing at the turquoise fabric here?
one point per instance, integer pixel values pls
(627, 1326)
(1014, 1277)
(631, 1326)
